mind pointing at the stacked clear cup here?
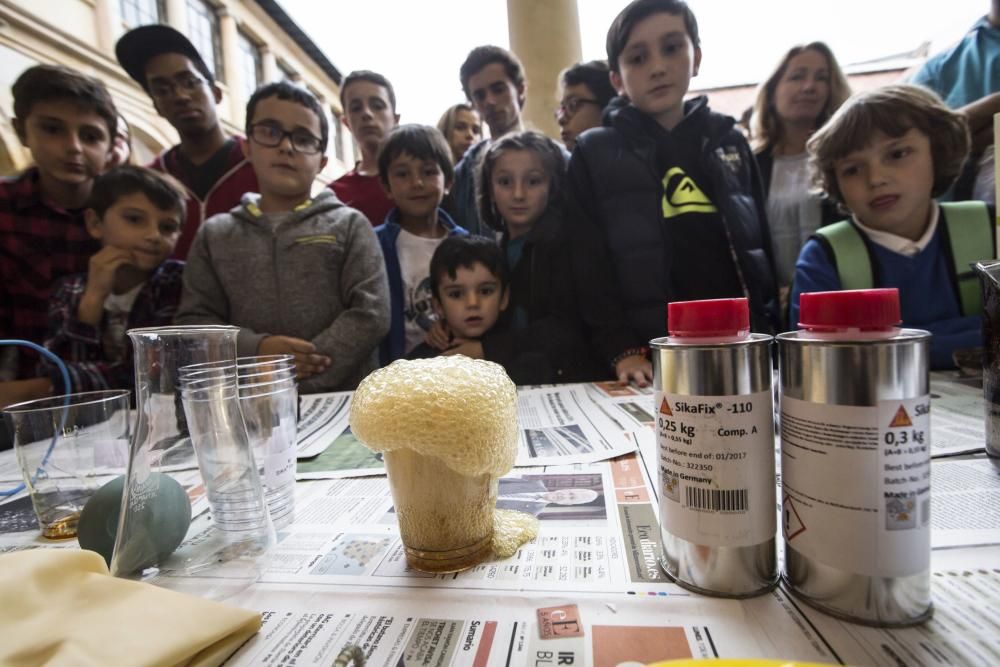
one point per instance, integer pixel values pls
(221, 443)
(269, 399)
(269, 403)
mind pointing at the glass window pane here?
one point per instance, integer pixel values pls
(250, 65)
(140, 12)
(203, 31)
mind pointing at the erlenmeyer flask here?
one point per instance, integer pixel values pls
(163, 457)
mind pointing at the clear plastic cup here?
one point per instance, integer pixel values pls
(67, 447)
(445, 517)
(271, 414)
(225, 459)
(269, 404)
(266, 361)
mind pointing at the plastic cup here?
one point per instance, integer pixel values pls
(67, 447)
(225, 459)
(273, 362)
(270, 411)
(445, 518)
(269, 405)
(266, 361)
(267, 368)
(277, 367)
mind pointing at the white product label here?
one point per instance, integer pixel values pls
(856, 484)
(717, 468)
(279, 463)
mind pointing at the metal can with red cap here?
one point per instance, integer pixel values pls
(854, 394)
(715, 436)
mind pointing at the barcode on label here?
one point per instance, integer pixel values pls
(717, 500)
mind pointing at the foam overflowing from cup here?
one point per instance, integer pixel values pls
(448, 429)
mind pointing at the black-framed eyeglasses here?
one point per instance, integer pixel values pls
(571, 105)
(166, 89)
(271, 136)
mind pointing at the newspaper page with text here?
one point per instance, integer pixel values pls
(598, 531)
(305, 625)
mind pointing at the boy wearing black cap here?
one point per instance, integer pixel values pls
(210, 165)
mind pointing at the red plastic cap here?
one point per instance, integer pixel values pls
(864, 309)
(709, 318)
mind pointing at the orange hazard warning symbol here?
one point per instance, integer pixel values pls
(900, 419)
(792, 521)
(665, 408)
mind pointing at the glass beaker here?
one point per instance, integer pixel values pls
(163, 455)
(67, 447)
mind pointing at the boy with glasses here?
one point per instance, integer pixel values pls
(298, 275)
(584, 90)
(209, 164)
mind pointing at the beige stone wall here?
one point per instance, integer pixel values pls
(81, 34)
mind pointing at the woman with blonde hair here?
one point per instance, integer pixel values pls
(797, 98)
(461, 127)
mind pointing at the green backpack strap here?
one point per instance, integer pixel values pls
(854, 266)
(971, 238)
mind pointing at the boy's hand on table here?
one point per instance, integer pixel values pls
(635, 368)
(307, 362)
(470, 348)
(438, 336)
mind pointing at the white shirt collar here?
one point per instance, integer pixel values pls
(901, 244)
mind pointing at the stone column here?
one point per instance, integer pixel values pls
(108, 24)
(546, 38)
(229, 38)
(269, 65)
(177, 16)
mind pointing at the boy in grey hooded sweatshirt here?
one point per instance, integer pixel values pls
(298, 275)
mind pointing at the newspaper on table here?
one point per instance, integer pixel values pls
(306, 625)
(598, 531)
(958, 416)
(587, 591)
(560, 425)
(964, 502)
(322, 417)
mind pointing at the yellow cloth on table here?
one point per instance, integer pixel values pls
(61, 607)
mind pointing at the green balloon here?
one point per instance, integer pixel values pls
(154, 532)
